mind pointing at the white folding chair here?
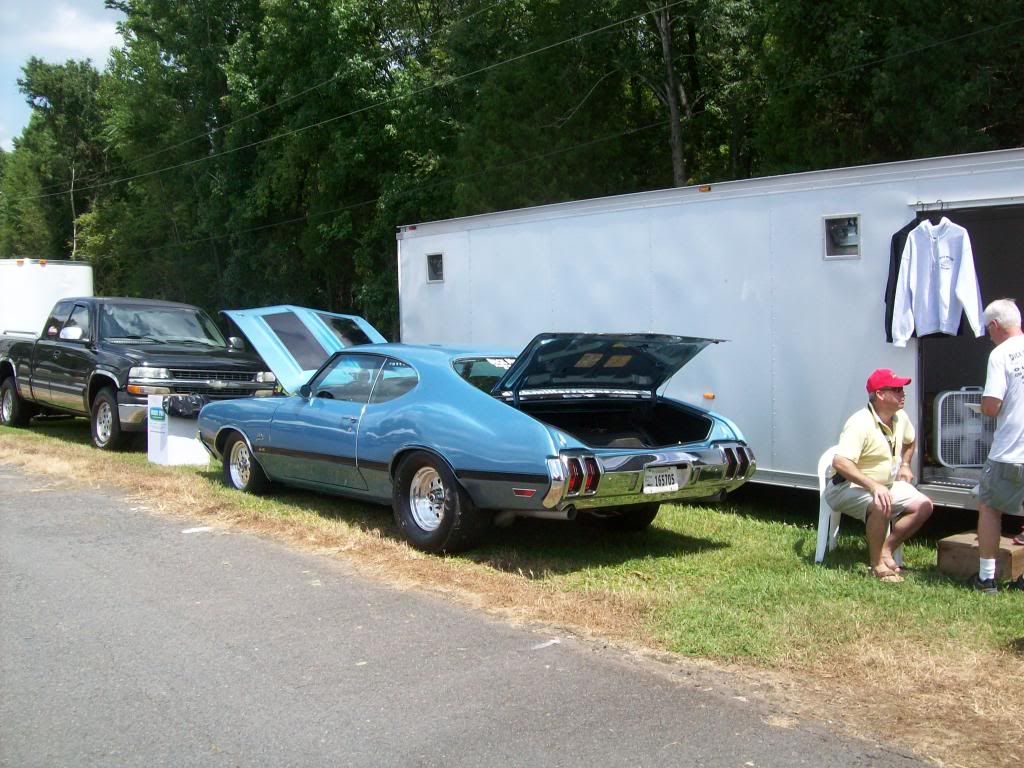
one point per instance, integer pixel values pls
(828, 518)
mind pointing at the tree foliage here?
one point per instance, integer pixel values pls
(244, 152)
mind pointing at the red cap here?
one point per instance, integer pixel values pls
(881, 378)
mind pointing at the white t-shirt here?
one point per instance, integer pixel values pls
(1005, 380)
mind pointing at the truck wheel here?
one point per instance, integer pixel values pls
(241, 470)
(14, 410)
(106, 424)
(635, 517)
(433, 512)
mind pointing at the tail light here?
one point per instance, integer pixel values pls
(744, 461)
(593, 475)
(575, 476)
(733, 464)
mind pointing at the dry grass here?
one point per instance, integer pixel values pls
(949, 702)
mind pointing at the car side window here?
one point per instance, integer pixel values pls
(349, 378)
(79, 319)
(56, 321)
(396, 379)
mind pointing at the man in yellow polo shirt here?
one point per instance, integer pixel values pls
(873, 475)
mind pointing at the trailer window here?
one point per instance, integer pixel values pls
(842, 236)
(435, 267)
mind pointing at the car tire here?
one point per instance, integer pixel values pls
(106, 423)
(241, 470)
(15, 411)
(432, 510)
(636, 517)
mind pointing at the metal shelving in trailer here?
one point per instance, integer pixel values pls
(792, 270)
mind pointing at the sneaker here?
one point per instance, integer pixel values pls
(986, 586)
(1017, 585)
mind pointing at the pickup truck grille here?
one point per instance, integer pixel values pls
(213, 394)
(191, 375)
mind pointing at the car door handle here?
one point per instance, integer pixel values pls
(56, 354)
(348, 420)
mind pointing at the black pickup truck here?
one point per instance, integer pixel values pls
(101, 357)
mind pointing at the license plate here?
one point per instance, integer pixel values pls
(661, 480)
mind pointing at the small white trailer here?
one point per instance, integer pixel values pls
(792, 270)
(30, 287)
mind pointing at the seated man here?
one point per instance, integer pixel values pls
(873, 476)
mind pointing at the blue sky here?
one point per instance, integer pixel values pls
(55, 31)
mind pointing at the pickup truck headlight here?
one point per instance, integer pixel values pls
(145, 372)
(266, 377)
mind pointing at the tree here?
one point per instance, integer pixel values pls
(64, 96)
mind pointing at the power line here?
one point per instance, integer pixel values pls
(216, 129)
(416, 92)
(405, 191)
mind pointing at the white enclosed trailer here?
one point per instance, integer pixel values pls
(792, 270)
(30, 287)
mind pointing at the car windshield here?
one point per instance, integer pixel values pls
(483, 372)
(168, 325)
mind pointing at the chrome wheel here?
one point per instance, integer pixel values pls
(240, 465)
(104, 422)
(7, 407)
(427, 496)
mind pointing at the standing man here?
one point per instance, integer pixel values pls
(873, 476)
(1002, 480)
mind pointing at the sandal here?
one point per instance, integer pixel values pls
(886, 575)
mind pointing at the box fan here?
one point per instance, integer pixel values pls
(962, 434)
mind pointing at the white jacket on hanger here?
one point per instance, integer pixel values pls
(936, 283)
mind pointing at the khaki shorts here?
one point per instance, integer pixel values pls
(852, 499)
(1002, 486)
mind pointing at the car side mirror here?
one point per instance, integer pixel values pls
(71, 334)
(304, 390)
(236, 343)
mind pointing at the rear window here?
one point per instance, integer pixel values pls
(483, 372)
(56, 320)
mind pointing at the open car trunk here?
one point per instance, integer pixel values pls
(621, 424)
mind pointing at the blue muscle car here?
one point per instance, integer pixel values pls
(457, 440)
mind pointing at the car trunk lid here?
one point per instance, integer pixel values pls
(597, 365)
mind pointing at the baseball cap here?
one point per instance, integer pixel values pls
(884, 377)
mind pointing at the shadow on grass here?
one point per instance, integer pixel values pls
(1017, 646)
(77, 431)
(539, 548)
(800, 507)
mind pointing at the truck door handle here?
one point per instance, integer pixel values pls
(56, 354)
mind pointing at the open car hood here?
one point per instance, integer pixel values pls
(295, 341)
(597, 364)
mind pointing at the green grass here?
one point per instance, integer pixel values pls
(728, 581)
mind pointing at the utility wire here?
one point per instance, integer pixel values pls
(458, 78)
(279, 103)
(405, 191)
(447, 82)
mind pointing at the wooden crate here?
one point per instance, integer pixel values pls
(958, 556)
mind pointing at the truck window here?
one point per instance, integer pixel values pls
(56, 321)
(79, 319)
